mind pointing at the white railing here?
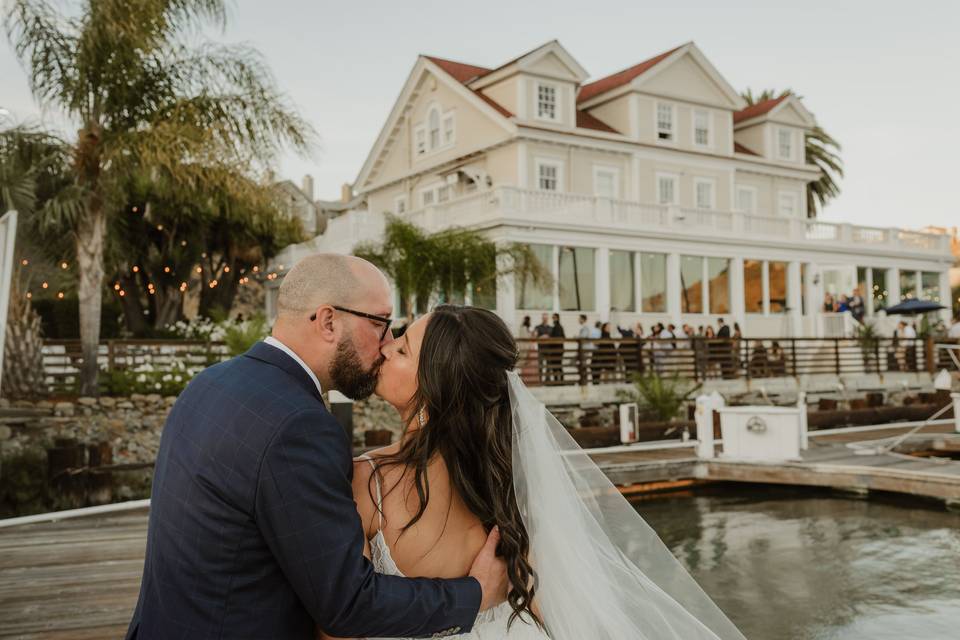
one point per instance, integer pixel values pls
(549, 207)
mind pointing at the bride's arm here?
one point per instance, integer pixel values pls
(367, 510)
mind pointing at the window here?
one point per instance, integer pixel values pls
(701, 128)
(746, 199)
(908, 285)
(880, 292)
(420, 135)
(447, 130)
(787, 203)
(531, 292)
(577, 279)
(426, 197)
(622, 281)
(753, 286)
(653, 282)
(704, 193)
(667, 192)
(691, 284)
(930, 286)
(778, 286)
(605, 182)
(718, 284)
(443, 193)
(665, 121)
(546, 101)
(400, 204)
(548, 175)
(433, 124)
(785, 144)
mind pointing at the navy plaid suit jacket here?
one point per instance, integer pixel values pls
(253, 529)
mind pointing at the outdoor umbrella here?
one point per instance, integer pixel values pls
(914, 306)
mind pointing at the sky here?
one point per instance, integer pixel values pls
(882, 77)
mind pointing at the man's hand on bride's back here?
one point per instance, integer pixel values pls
(491, 572)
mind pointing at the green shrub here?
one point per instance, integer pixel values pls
(660, 397)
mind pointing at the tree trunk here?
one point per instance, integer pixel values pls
(91, 232)
(133, 314)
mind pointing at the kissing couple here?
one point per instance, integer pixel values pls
(484, 521)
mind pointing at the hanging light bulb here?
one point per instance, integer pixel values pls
(136, 269)
(166, 269)
(199, 270)
(60, 294)
(135, 209)
(116, 286)
(183, 243)
(24, 262)
(63, 265)
(44, 285)
(122, 293)
(29, 295)
(226, 269)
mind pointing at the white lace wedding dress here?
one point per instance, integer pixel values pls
(490, 625)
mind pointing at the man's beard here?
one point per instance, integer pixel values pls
(348, 375)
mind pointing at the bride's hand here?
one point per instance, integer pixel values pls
(491, 572)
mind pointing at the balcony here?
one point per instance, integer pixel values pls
(511, 205)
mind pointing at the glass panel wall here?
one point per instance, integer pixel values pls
(653, 282)
(531, 294)
(718, 280)
(691, 284)
(753, 286)
(908, 285)
(930, 286)
(778, 287)
(622, 279)
(880, 293)
(577, 279)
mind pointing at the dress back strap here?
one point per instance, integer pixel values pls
(379, 489)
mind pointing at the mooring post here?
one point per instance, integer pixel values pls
(802, 408)
(706, 406)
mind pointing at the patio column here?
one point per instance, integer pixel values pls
(737, 306)
(868, 294)
(506, 299)
(946, 297)
(602, 272)
(893, 286)
(794, 283)
(673, 288)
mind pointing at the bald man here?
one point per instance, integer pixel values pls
(253, 530)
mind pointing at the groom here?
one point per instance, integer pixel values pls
(253, 529)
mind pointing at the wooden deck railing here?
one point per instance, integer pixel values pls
(62, 358)
(555, 361)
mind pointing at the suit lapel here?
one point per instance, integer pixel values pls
(271, 355)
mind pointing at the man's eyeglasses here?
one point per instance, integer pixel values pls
(369, 316)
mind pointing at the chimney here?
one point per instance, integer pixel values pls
(307, 186)
(346, 192)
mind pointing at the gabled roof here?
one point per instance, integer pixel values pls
(621, 77)
(464, 74)
(758, 109)
(768, 108)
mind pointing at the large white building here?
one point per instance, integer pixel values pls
(652, 194)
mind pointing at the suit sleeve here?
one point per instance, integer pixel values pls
(306, 513)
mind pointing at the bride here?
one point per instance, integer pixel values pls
(480, 451)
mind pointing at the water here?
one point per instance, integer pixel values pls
(787, 564)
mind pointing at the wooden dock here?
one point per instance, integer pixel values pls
(79, 578)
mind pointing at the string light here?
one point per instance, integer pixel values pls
(60, 294)
(24, 262)
(136, 269)
(44, 285)
(159, 227)
(183, 243)
(256, 269)
(166, 269)
(116, 286)
(135, 209)
(29, 295)
(199, 269)
(122, 293)
(63, 265)
(226, 269)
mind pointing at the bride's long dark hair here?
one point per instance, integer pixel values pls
(463, 392)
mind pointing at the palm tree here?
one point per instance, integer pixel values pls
(821, 149)
(146, 95)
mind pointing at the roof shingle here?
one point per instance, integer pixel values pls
(621, 77)
(758, 109)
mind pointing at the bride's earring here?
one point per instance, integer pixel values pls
(420, 418)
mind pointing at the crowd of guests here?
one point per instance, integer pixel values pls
(839, 304)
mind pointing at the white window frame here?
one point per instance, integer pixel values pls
(673, 177)
(419, 141)
(556, 101)
(549, 162)
(793, 143)
(614, 173)
(400, 205)
(432, 190)
(708, 116)
(448, 117)
(444, 193)
(753, 196)
(712, 183)
(673, 122)
(434, 110)
(795, 196)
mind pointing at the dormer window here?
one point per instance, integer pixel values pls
(665, 122)
(785, 144)
(436, 132)
(701, 128)
(546, 101)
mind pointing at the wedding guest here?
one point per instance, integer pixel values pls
(777, 360)
(556, 350)
(541, 331)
